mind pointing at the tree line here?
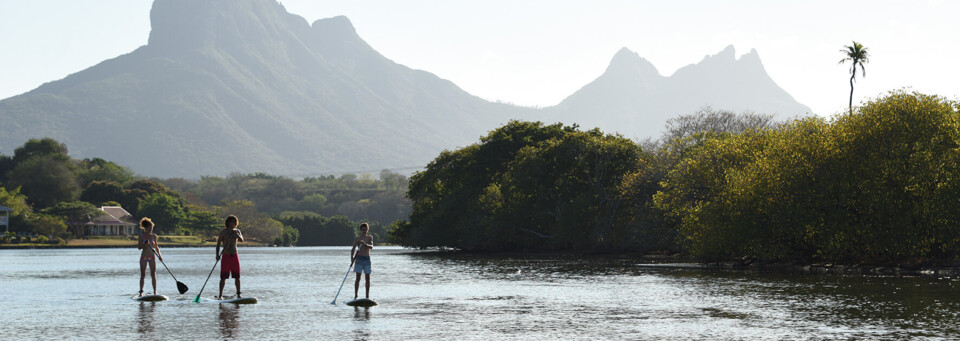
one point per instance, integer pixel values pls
(877, 184)
(52, 194)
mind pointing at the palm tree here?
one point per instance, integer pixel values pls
(857, 55)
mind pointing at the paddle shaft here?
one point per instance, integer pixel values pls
(341, 283)
(164, 264)
(208, 277)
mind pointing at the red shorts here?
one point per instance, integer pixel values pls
(229, 265)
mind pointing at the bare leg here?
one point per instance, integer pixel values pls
(236, 280)
(222, 282)
(367, 277)
(356, 286)
(143, 273)
(153, 275)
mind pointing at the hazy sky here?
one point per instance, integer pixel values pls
(536, 53)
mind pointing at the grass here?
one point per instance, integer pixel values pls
(101, 242)
(180, 239)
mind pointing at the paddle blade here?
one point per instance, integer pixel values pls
(197, 300)
(182, 287)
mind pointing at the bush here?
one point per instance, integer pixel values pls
(42, 239)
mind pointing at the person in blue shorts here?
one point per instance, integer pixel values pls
(361, 258)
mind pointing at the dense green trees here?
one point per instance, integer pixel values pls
(165, 211)
(525, 186)
(357, 197)
(48, 190)
(876, 185)
(316, 230)
(46, 179)
(881, 185)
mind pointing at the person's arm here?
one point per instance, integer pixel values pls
(353, 254)
(239, 236)
(156, 246)
(370, 244)
(219, 239)
(140, 242)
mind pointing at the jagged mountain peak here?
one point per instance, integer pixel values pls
(338, 25)
(751, 58)
(190, 23)
(627, 61)
(728, 53)
(638, 106)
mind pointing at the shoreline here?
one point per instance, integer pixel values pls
(113, 245)
(659, 260)
(653, 261)
(823, 269)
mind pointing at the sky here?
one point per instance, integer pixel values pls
(537, 52)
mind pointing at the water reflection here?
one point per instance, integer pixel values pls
(361, 317)
(361, 314)
(228, 320)
(145, 318)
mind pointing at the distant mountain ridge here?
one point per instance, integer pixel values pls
(245, 86)
(631, 97)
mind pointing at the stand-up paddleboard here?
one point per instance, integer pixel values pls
(242, 300)
(362, 302)
(150, 298)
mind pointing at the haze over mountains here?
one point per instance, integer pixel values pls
(245, 86)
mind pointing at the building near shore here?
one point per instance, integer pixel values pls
(115, 221)
(5, 217)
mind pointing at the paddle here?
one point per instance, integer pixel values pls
(341, 283)
(180, 286)
(197, 300)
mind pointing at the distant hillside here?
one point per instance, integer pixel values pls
(245, 86)
(631, 97)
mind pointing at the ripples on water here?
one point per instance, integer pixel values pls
(85, 294)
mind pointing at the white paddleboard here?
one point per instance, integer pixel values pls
(242, 300)
(150, 298)
(362, 302)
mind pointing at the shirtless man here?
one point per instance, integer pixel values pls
(361, 258)
(229, 236)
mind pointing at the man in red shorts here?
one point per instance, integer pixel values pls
(231, 261)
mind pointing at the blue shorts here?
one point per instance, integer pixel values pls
(362, 264)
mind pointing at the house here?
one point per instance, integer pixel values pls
(115, 221)
(5, 217)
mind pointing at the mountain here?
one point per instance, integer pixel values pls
(632, 98)
(245, 86)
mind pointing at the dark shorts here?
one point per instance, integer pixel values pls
(229, 265)
(362, 264)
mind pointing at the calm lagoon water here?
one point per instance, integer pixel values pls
(85, 294)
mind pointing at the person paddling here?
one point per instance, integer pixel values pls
(230, 266)
(148, 243)
(362, 245)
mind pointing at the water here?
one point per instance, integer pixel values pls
(85, 294)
